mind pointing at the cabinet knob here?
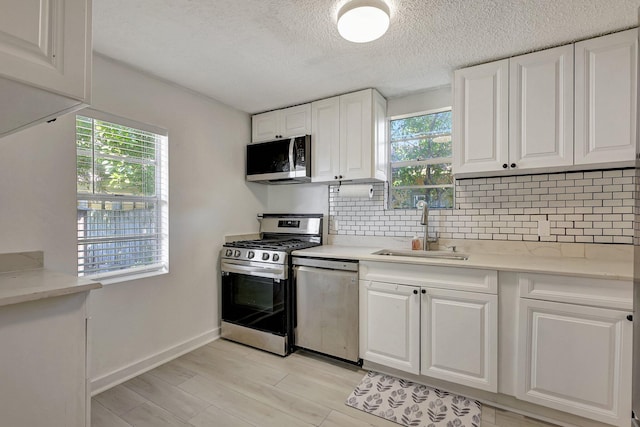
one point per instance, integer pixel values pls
(630, 318)
(513, 165)
(335, 177)
(504, 165)
(340, 176)
(415, 292)
(424, 291)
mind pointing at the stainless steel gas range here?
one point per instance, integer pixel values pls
(258, 301)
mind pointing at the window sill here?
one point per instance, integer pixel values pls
(110, 280)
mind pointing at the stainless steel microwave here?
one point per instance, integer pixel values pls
(282, 161)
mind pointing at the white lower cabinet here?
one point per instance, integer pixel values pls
(565, 343)
(459, 336)
(575, 359)
(390, 325)
(437, 330)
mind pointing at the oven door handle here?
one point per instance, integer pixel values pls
(276, 273)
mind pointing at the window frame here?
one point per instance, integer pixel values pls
(161, 198)
(433, 161)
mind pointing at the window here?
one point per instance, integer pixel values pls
(421, 157)
(122, 197)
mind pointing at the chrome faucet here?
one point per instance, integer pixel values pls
(424, 220)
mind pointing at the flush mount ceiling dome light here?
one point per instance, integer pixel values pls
(362, 21)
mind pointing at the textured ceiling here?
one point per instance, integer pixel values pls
(258, 55)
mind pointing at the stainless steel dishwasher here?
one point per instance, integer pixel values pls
(327, 306)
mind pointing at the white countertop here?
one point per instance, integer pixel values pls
(30, 285)
(582, 267)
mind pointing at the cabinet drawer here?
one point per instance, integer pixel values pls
(577, 290)
(454, 278)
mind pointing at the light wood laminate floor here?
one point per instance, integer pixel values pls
(224, 384)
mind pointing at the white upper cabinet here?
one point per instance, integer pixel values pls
(606, 78)
(285, 123)
(45, 60)
(563, 108)
(265, 126)
(480, 117)
(541, 109)
(349, 137)
(325, 131)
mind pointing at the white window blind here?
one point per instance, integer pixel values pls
(122, 197)
(420, 160)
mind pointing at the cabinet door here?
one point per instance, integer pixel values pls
(380, 137)
(390, 325)
(541, 109)
(47, 44)
(459, 332)
(325, 139)
(265, 126)
(356, 133)
(575, 359)
(480, 118)
(606, 78)
(295, 121)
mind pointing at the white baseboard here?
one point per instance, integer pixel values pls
(112, 379)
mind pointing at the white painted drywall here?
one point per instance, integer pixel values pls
(429, 99)
(134, 321)
(299, 198)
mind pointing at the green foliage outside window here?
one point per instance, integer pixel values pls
(421, 156)
(116, 160)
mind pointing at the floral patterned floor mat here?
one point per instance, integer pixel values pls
(411, 404)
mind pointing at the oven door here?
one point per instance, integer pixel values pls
(255, 302)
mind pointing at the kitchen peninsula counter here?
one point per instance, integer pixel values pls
(44, 331)
(23, 279)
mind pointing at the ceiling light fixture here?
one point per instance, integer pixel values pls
(362, 21)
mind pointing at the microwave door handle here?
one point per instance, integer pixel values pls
(292, 159)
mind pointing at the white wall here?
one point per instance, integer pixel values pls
(138, 322)
(429, 99)
(298, 198)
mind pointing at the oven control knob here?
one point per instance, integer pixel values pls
(228, 252)
(251, 254)
(265, 256)
(236, 253)
(275, 257)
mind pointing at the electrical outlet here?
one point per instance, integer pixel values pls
(544, 228)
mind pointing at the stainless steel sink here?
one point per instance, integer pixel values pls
(424, 254)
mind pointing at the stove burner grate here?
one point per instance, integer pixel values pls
(272, 244)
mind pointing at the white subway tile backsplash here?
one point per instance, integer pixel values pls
(583, 207)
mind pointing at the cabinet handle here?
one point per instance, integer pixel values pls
(630, 318)
(335, 177)
(415, 292)
(513, 165)
(340, 176)
(424, 291)
(504, 165)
